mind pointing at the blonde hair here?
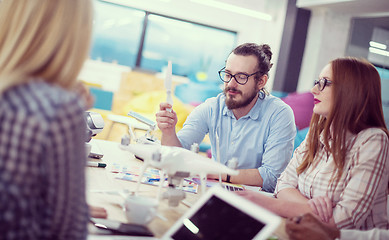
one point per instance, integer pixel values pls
(46, 39)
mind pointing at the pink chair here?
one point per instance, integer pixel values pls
(302, 106)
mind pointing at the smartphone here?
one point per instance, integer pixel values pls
(117, 227)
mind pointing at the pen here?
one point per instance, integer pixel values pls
(96, 164)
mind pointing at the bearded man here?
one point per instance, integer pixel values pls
(248, 123)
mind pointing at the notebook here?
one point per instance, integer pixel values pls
(221, 214)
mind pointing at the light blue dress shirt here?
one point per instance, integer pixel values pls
(262, 139)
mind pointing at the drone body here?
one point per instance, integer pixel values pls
(177, 163)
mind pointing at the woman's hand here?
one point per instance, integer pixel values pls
(322, 206)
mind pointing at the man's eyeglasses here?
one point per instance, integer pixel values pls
(240, 78)
(322, 83)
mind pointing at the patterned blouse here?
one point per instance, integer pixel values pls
(42, 164)
(360, 196)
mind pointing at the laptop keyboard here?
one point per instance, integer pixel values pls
(232, 188)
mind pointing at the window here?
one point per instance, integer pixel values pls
(196, 50)
(116, 33)
(193, 48)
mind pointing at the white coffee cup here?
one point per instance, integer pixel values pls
(140, 209)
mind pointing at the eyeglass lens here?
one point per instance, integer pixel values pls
(322, 83)
(239, 78)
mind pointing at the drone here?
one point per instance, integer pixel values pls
(175, 163)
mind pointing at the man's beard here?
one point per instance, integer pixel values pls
(246, 99)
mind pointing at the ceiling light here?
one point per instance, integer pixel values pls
(377, 45)
(235, 9)
(379, 51)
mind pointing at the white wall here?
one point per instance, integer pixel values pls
(249, 29)
(327, 38)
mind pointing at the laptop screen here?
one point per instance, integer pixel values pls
(217, 219)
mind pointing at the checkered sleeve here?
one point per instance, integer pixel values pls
(66, 172)
(42, 164)
(366, 182)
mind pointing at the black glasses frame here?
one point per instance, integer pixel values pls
(322, 83)
(221, 71)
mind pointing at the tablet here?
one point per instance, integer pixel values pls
(221, 214)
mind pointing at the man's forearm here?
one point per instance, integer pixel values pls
(248, 177)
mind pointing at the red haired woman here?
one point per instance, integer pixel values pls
(340, 172)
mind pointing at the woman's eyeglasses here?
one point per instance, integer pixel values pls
(322, 83)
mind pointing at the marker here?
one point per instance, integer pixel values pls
(153, 179)
(96, 164)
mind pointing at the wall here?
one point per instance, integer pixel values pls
(330, 32)
(327, 38)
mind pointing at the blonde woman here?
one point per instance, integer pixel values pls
(43, 44)
(340, 172)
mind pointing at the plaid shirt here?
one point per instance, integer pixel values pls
(360, 197)
(42, 164)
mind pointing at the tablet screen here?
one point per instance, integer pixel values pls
(217, 219)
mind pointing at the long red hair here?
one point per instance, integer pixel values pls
(356, 106)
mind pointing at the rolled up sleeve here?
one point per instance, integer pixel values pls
(278, 148)
(289, 177)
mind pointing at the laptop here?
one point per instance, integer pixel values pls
(221, 214)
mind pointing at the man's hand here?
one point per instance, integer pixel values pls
(166, 120)
(309, 227)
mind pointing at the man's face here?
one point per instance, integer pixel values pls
(237, 95)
